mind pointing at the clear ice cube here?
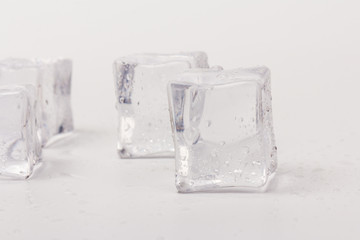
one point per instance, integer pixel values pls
(20, 147)
(52, 80)
(223, 129)
(140, 84)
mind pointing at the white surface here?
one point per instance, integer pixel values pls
(84, 191)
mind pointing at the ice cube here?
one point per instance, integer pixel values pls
(223, 131)
(52, 80)
(140, 84)
(20, 147)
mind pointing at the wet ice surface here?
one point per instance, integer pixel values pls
(19, 143)
(223, 129)
(52, 80)
(140, 81)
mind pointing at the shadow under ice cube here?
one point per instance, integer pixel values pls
(223, 132)
(140, 84)
(19, 143)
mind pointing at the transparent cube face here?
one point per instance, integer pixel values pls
(222, 129)
(19, 143)
(52, 80)
(56, 98)
(144, 128)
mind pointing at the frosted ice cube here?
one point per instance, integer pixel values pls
(52, 80)
(20, 148)
(223, 131)
(140, 86)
